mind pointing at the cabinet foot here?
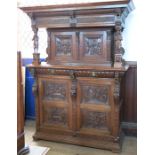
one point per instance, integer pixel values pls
(23, 151)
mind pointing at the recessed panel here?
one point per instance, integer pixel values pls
(54, 91)
(63, 45)
(94, 119)
(93, 94)
(56, 116)
(93, 45)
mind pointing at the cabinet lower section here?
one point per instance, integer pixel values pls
(100, 143)
(79, 110)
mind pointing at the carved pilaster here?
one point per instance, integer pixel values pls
(36, 55)
(34, 87)
(118, 49)
(74, 84)
(73, 94)
(117, 107)
(117, 86)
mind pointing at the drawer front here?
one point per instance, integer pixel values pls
(55, 103)
(94, 106)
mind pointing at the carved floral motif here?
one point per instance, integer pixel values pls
(56, 116)
(93, 119)
(93, 46)
(63, 45)
(54, 91)
(117, 86)
(95, 94)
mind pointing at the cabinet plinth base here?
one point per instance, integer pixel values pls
(89, 142)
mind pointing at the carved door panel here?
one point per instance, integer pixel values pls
(95, 46)
(55, 103)
(95, 106)
(63, 46)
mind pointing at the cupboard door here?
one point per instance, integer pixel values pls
(95, 47)
(95, 106)
(63, 46)
(55, 103)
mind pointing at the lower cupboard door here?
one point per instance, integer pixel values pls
(95, 106)
(55, 107)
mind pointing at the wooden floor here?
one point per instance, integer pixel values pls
(129, 145)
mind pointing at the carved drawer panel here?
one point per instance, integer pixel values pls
(94, 46)
(94, 94)
(93, 91)
(53, 91)
(63, 46)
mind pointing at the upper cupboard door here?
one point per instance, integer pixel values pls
(63, 46)
(95, 46)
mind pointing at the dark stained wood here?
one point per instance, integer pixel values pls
(77, 90)
(129, 111)
(78, 67)
(108, 8)
(107, 4)
(70, 103)
(20, 108)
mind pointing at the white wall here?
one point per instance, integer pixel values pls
(129, 38)
(132, 34)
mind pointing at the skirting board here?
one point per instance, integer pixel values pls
(130, 129)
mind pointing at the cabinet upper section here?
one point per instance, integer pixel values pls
(89, 33)
(96, 14)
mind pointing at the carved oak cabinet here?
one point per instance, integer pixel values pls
(77, 90)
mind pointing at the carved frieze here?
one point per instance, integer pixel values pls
(77, 73)
(54, 91)
(95, 94)
(92, 119)
(117, 86)
(56, 116)
(63, 45)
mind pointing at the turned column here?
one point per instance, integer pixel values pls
(118, 49)
(36, 55)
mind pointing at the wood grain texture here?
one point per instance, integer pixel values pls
(20, 106)
(129, 90)
(77, 91)
(20, 109)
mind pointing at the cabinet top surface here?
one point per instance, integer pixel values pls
(76, 66)
(77, 6)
